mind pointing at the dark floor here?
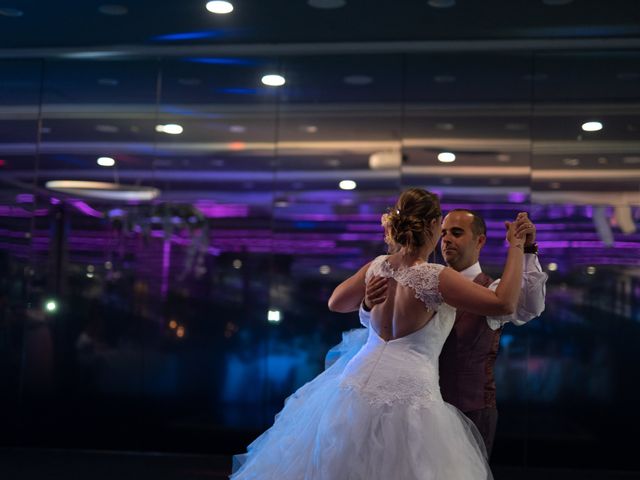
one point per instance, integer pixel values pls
(36, 464)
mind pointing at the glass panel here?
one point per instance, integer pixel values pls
(338, 169)
(22, 318)
(586, 197)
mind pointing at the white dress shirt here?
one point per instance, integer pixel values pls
(530, 302)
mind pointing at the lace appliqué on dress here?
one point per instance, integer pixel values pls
(423, 279)
(402, 389)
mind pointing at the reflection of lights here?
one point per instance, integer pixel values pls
(180, 331)
(91, 268)
(89, 275)
(591, 126)
(446, 157)
(173, 324)
(237, 264)
(325, 269)
(591, 269)
(235, 146)
(347, 185)
(106, 162)
(552, 267)
(108, 265)
(170, 128)
(273, 80)
(309, 128)
(219, 7)
(51, 306)
(103, 190)
(273, 316)
(237, 129)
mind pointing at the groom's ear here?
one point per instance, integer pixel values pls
(482, 239)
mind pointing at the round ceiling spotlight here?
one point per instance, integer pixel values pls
(219, 7)
(326, 4)
(10, 12)
(357, 80)
(592, 126)
(446, 157)
(273, 80)
(170, 128)
(106, 162)
(112, 9)
(347, 185)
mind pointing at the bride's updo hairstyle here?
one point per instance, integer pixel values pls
(407, 223)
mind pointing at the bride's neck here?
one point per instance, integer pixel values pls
(417, 256)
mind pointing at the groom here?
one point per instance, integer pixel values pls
(468, 356)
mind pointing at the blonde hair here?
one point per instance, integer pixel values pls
(407, 223)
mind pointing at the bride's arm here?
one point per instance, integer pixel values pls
(461, 293)
(347, 296)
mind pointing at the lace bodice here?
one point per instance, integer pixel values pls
(404, 369)
(423, 279)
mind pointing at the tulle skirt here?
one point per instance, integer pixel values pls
(327, 432)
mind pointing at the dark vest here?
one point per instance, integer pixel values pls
(467, 360)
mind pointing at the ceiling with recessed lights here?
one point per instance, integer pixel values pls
(273, 104)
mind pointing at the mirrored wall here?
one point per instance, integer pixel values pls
(171, 229)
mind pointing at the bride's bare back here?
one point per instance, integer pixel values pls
(401, 313)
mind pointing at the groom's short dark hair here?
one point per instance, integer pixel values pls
(478, 227)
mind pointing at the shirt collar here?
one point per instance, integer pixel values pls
(472, 272)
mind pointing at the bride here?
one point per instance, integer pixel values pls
(379, 414)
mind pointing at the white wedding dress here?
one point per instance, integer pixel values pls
(376, 413)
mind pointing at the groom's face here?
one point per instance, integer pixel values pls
(460, 246)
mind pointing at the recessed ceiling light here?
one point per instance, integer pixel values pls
(571, 162)
(503, 157)
(170, 128)
(347, 185)
(326, 4)
(603, 160)
(325, 269)
(592, 126)
(333, 162)
(446, 157)
(273, 80)
(554, 185)
(107, 129)
(357, 80)
(106, 162)
(113, 9)
(189, 82)
(444, 78)
(445, 126)
(556, 3)
(591, 270)
(11, 12)
(237, 129)
(309, 128)
(552, 267)
(219, 7)
(441, 3)
(108, 82)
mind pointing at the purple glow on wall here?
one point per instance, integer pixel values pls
(166, 259)
(517, 197)
(24, 198)
(216, 210)
(86, 209)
